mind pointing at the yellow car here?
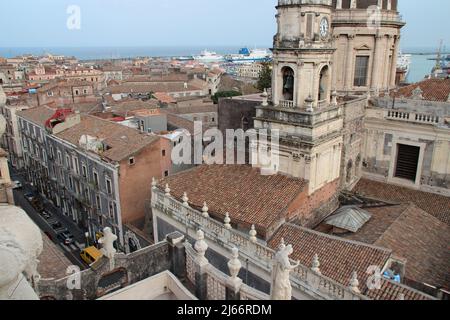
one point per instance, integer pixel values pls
(91, 255)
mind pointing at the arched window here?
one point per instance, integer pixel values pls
(288, 83)
(323, 84)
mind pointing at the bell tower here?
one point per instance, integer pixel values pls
(302, 54)
(303, 106)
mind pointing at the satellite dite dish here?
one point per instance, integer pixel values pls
(2, 125)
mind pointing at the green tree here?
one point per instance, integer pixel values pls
(265, 77)
(224, 94)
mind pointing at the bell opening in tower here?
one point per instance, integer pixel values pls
(323, 84)
(288, 84)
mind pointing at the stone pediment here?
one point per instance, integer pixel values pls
(363, 47)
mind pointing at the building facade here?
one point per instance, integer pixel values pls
(408, 137)
(92, 169)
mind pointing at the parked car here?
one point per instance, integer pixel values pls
(90, 255)
(17, 185)
(30, 196)
(57, 225)
(66, 238)
(37, 205)
(46, 215)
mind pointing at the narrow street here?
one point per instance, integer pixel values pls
(72, 251)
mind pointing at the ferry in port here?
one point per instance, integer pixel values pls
(248, 56)
(209, 56)
(404, 62)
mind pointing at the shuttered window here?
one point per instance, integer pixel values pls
(407, 162)
(361, 67)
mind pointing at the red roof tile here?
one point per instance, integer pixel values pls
(249, 197)
(434, 204)
(338, 258)
(432, 90)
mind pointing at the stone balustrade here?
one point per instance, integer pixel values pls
(287, 104)
(303, 278)
(345, 15)
(412, 117)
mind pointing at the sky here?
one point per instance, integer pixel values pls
(43, 23)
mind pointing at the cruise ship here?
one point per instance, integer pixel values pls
(209, 56)
(404, 62)
(248, 56)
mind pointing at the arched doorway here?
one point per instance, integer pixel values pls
(288, 83)
(323, 84)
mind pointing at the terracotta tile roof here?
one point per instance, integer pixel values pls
(338, 258)
(382, 218)
(249, 197)
(173, 77)
(434, 204)
(152, 87)
(425, 242)
(433, 90)
(164, 98)
(179, 122)
(52, 261)
(204, 108)
(64, 83)
(127, 105)
(414, 235)
(122, 141)
(38, 115)
(391, 291)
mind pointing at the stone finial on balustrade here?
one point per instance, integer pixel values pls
(354, 283)
(316, 264)
(309, 104)
(234, 265)
(265, 97)
(154, 183)
(282, 245)
(200, 247)
(205, 210)
(368, 97)
(167, 190)
(401, 296)
(253, 234)
(334, 95)
(185, 200)
(227, 221)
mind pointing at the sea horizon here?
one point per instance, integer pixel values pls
(124, 52)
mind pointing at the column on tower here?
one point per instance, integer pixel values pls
(349, 63)
(387, 65)
(394, 61)
(377, 62)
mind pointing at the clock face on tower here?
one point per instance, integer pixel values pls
(324, 27)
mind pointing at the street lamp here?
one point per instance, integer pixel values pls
(86, 234)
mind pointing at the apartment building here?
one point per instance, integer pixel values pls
(92, 169)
